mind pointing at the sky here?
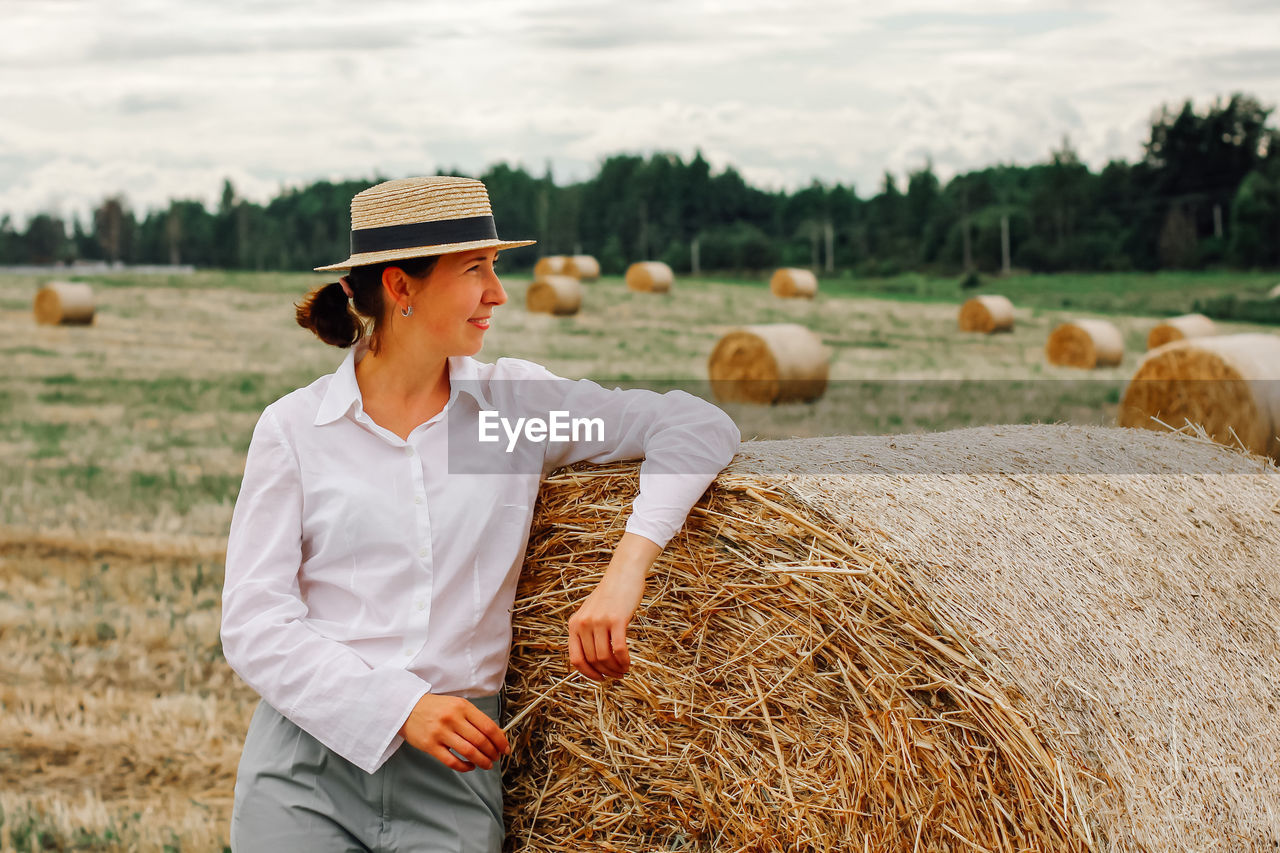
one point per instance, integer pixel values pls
(162, 99)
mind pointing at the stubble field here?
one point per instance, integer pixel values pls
(121, 450)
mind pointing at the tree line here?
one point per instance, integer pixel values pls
(1205, 193)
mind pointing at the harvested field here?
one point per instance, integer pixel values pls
(123, 445)
(122, 723)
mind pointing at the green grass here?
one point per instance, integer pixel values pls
(242, 392)
(128, 493)
(1154, 294)
(27, 350)
(253, 282)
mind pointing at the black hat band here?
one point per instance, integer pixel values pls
(415, 235)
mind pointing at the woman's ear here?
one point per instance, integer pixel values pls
(396, 284)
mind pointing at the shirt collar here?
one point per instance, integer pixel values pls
(344, 392)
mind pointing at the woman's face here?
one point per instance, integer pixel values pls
(456, 300)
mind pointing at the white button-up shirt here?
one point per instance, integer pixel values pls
(364, 570)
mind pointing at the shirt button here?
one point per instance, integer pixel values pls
(408, 451)
(422, 605)
(418, 499)
(422, 552)
(408, 653)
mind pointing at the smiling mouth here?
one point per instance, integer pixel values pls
(481, 323)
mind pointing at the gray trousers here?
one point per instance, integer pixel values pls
(295, 794)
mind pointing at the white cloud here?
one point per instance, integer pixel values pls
(163, 99)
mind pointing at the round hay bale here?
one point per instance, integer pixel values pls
(649, 277)
(1274, 293)
(987, 314)
(550, 265)
(916, 642)
(582, 267)
(64, 303)
(779, 363)
(1085, 343)
(792, 282)
(1228, 384)
(554, 294)
(1179, 328)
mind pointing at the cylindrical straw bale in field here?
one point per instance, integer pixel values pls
(1085, 343)
(550, 265)
(649, 277)
(779, 363)
(582, 267)
(1227, 384)
(792, 282)
(1179, 328)
(64, 303)
(986, 314)
(554, 294)
(858, 644)
(1274, 293)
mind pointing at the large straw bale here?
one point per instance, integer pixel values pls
(64, 303)
(1274, 293)
(949, 642)
(792, 282)
(777, 363)
(554, 294)
(649, 277)
(987, 314)
(1085, 343)
(582, 267)
(1228, 385)
(550, 265)
(1179, 328)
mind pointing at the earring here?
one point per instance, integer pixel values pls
(406, 312)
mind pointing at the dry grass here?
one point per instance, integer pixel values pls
(122, 724)
(859, 656)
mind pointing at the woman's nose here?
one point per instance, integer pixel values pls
(495, 293)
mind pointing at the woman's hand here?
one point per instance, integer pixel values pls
(440, 723)
(598, 631)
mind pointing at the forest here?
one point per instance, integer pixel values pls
(1205, 194)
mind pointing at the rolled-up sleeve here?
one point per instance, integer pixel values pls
(684, 442)
(320, 684)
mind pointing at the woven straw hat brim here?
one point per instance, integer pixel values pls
(369, 258)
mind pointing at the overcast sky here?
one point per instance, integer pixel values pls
(157, 100)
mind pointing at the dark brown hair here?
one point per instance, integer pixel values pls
(342, 323)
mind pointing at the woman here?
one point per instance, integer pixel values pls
(378, 536)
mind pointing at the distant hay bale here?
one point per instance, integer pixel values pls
(986, 314)
(792, 282)
(582, 267)
(550, 265)
(1274, 293)
(1085, 343)
(649, 277)
(1178, 328)
(942, 642)
(1229, 385)
(554, 294)
(64, 303)
(779, 363)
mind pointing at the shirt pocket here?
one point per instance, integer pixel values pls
(503, 539)
(499, 558)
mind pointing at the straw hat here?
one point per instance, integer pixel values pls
(420, 217)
